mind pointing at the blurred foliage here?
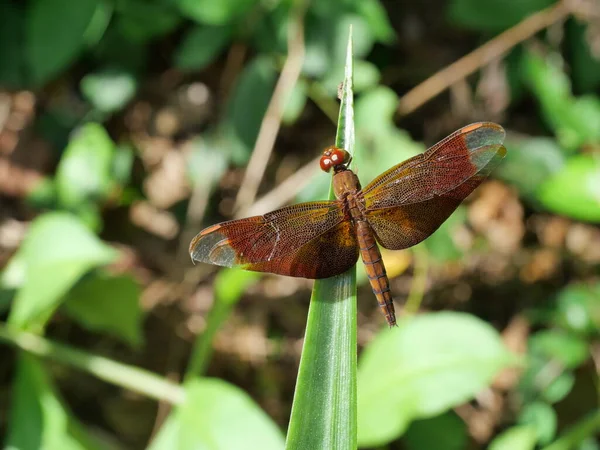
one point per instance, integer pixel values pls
(128, 91)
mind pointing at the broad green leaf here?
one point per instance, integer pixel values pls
(522, 437)
(324, 408)
(575, 190)
(249, 102)
(58, 30)
(541, 416)
(529, 162)
(84, 172)
(201, 45)
(427, 365)
(215, 13)
(109, 304)
(444, 432)
(578, 308)
(493, 15)
(12, 70)
(110, 90)
(217, 416)
(38, 419)
(56, 252)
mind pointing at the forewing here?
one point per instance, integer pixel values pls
(410, 201)
(310, 240)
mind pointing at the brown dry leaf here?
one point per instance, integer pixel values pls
(153, 220)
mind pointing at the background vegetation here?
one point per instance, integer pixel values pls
(128, 125)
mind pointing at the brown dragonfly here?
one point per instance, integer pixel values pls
(397, 210)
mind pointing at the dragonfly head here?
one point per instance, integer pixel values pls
(334, 157)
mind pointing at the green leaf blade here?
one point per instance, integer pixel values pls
(324, 409)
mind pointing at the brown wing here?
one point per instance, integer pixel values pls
(310, 240)
(410, 201)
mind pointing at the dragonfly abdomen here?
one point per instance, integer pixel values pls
(375, 269)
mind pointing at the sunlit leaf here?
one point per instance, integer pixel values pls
(84, 172)
(110, 90)
(217, 416)
(522, 437)
(578, 308)
(56, 252)
(109, 304)
(427, 365)
(541, 416)
(575, 190)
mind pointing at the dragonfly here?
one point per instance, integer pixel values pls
(397, 210)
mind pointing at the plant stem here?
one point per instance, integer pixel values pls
(123, 375)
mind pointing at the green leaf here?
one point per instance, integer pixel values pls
(569, 350)
(217, 416)
(426, 366)
(141, 20)
(110, 304)
(529, 162)
(201, 45)
(324, 409)
(376, 17)
(578, 308)
(215, 13)
(493, 15)
(574, 120)
(56, 252)
(58, 30)
(575, 190)
(543, 417)
(444, 432)
(295, 103)
(249, 102)
(84, 172)
(38, 419)
(12, 22)
(441, 245)
(110, 90)
(522, 437)
(207, 160)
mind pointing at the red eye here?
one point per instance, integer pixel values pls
(333, 156)
(325, 163)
